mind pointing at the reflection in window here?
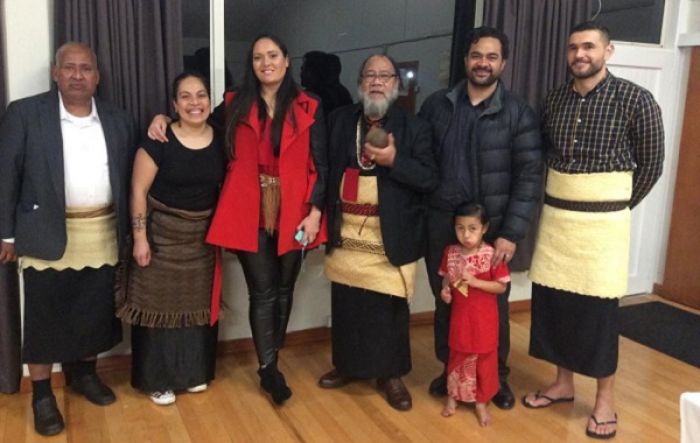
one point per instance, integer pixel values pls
(410, 31)
(632, 20)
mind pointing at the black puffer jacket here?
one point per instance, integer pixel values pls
(506, 148)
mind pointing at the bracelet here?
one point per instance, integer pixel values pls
(138, 223)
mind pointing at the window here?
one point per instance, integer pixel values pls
(636, 21)
(409, 31)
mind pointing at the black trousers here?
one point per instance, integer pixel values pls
(270, 279)
(441, 233)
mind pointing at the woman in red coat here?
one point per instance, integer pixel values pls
(274, 188)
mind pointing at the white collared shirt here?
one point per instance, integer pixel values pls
(85, 161)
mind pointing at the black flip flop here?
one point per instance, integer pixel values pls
(551, 401)
(600, 423)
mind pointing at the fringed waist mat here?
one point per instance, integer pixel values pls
(584, 234)
(174, 290)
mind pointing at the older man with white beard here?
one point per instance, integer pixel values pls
(381, 165)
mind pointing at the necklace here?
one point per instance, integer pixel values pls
(362, 160)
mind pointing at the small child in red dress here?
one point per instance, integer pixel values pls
(470, 283)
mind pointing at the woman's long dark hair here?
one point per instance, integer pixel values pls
(249, 93)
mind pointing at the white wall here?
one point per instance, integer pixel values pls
(28, 58)
(689, 23)
(692, 16)
(664, 72)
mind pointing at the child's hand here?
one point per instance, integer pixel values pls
(467, 277)
(446, 294)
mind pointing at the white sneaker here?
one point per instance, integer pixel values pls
(163, 398)
(198, 388)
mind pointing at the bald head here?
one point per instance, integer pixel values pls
(74, 46)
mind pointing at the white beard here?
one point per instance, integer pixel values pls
(376, 109)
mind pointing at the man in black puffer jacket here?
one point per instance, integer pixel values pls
(488, 145)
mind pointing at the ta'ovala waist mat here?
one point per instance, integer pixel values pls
(361, 261)
(584, 234)
(91, 241)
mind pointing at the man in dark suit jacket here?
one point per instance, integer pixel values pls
(376, 230)
(65, 159)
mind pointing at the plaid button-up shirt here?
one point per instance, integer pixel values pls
(617, 126)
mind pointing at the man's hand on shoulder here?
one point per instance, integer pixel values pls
(7, 252)
(158, 127)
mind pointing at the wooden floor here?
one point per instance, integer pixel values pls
(235, 410)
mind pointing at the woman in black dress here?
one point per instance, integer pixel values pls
(175, 187)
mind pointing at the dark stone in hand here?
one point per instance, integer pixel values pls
(377, 137)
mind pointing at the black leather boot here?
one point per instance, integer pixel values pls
(273, 382)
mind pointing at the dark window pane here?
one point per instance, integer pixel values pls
(633, 20)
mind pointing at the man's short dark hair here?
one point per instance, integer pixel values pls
(477, 34)
(592, 26)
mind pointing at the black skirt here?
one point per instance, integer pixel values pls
(172, 358)
(370, 334)
(576, 332)
(69, 314)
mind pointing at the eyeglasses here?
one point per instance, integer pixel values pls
(382, 76)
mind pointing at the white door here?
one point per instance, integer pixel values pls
(661, 72)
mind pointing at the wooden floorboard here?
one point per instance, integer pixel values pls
(234, 408)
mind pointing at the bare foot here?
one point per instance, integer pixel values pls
(450, 407)
(554, 393)
(483, 414)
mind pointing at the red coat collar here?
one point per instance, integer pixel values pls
(303, 107)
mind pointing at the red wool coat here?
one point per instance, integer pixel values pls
(237, 217)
